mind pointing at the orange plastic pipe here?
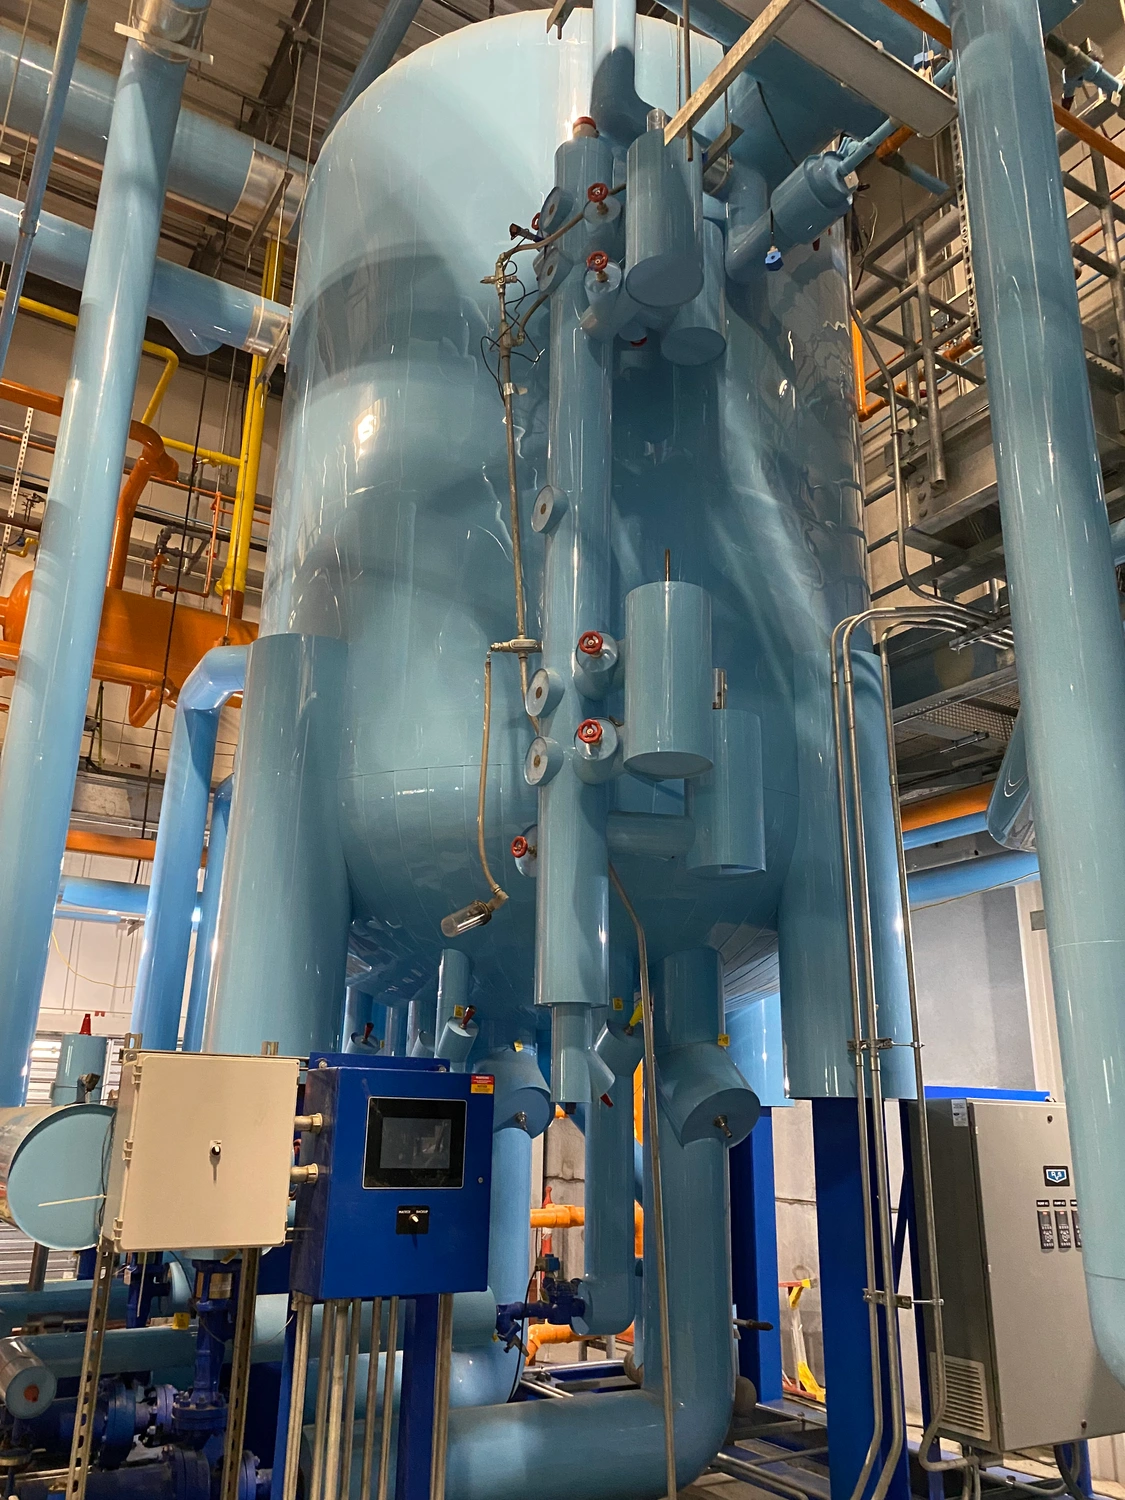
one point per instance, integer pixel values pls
(970, 799)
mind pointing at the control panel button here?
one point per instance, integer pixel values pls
(1062, 1229)
(412, 1219)
(1046, 1230)
(1077, 1229)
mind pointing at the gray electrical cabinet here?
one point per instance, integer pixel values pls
(1021, 1365)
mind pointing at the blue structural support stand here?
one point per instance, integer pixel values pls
(64, 611)
(1069, 643)
(844, 1310)
(416, 1405)
(753, 1238)
(161, 972)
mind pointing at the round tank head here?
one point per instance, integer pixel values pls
(55, 1162)
(27, 1386)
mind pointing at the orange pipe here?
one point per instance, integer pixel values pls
(114, 844)
(558, 1216)
(154, 463)
(959, 804)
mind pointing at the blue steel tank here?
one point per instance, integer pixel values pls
(390, 574)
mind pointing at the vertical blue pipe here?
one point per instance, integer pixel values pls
(394, 1042)
(1069, 643)
(753, 1240)
(53, 676)
(172, 895)
(454, 973)
(208, 917)
(66, 50)
(609, 1280)
(614, 104)
(843, 1277)
(572, 888)
(378, 55)
(281, 951)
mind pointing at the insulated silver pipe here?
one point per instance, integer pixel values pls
(368, 1465)
(439, 1441)
(327, 1334)
(349, 1398)
(339, 1317)
(388, 1402)
(302, 1312)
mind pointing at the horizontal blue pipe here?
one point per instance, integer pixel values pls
(928, 887)
(118, 897)
(210, 163)
(191, 304)
(940, 833)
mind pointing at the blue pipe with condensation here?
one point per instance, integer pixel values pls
(572, 887)
(1069, 642)
(208, 917)
(117, 898)
(48, 706)
(212, 311)
(941, 833)
(162, 968)
(66, 51)
(615, 105)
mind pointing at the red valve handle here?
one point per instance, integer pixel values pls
(590, 732)
(535, 222)
(519, 846)
(591, 643)
(598, 192)
(597, 260)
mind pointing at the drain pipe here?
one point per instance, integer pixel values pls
(64, 611)
(1069, 642)
(162, 969)
(66, 50)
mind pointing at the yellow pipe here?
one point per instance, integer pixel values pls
(205, 455)
(233, 580)
(158, 351)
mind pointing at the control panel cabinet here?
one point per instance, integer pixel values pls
(1021, 1365)
(400, 1201)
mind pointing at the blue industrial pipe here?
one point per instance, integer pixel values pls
(215, 166)
(626, 1431)
(162, 969)
(115, 897)
(208, 917)
(1069, 640)
(614, 103)
(378, 55)
(941, 833)
(572, 886)
(66, 51)
(967, 876)
(64, 611)
(202, 311)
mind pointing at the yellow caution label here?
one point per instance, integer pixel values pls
(724, 1040)
(618, 1003)
(458, 1012)
(482, 1083)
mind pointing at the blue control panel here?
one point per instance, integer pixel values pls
(400, 1204)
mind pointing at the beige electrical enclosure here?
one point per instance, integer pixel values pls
(201, 1151)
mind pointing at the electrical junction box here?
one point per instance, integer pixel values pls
(400, 1204)
(1021, 1365)
(201, 1151)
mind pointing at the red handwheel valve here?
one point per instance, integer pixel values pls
(591, 642)
(590, 732)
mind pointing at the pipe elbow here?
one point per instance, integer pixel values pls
(610, 1304)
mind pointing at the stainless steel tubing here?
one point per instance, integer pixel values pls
(652, 1127)
(340, 1311)
(368, 1466)
(1112, 252)
(740, 1468)
(929, 366)
(348, 1427)
(388, 1403)
(440, 1435)
(327, 1333)
(302, 1312)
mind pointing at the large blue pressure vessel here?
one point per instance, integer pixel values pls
(391, 548)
